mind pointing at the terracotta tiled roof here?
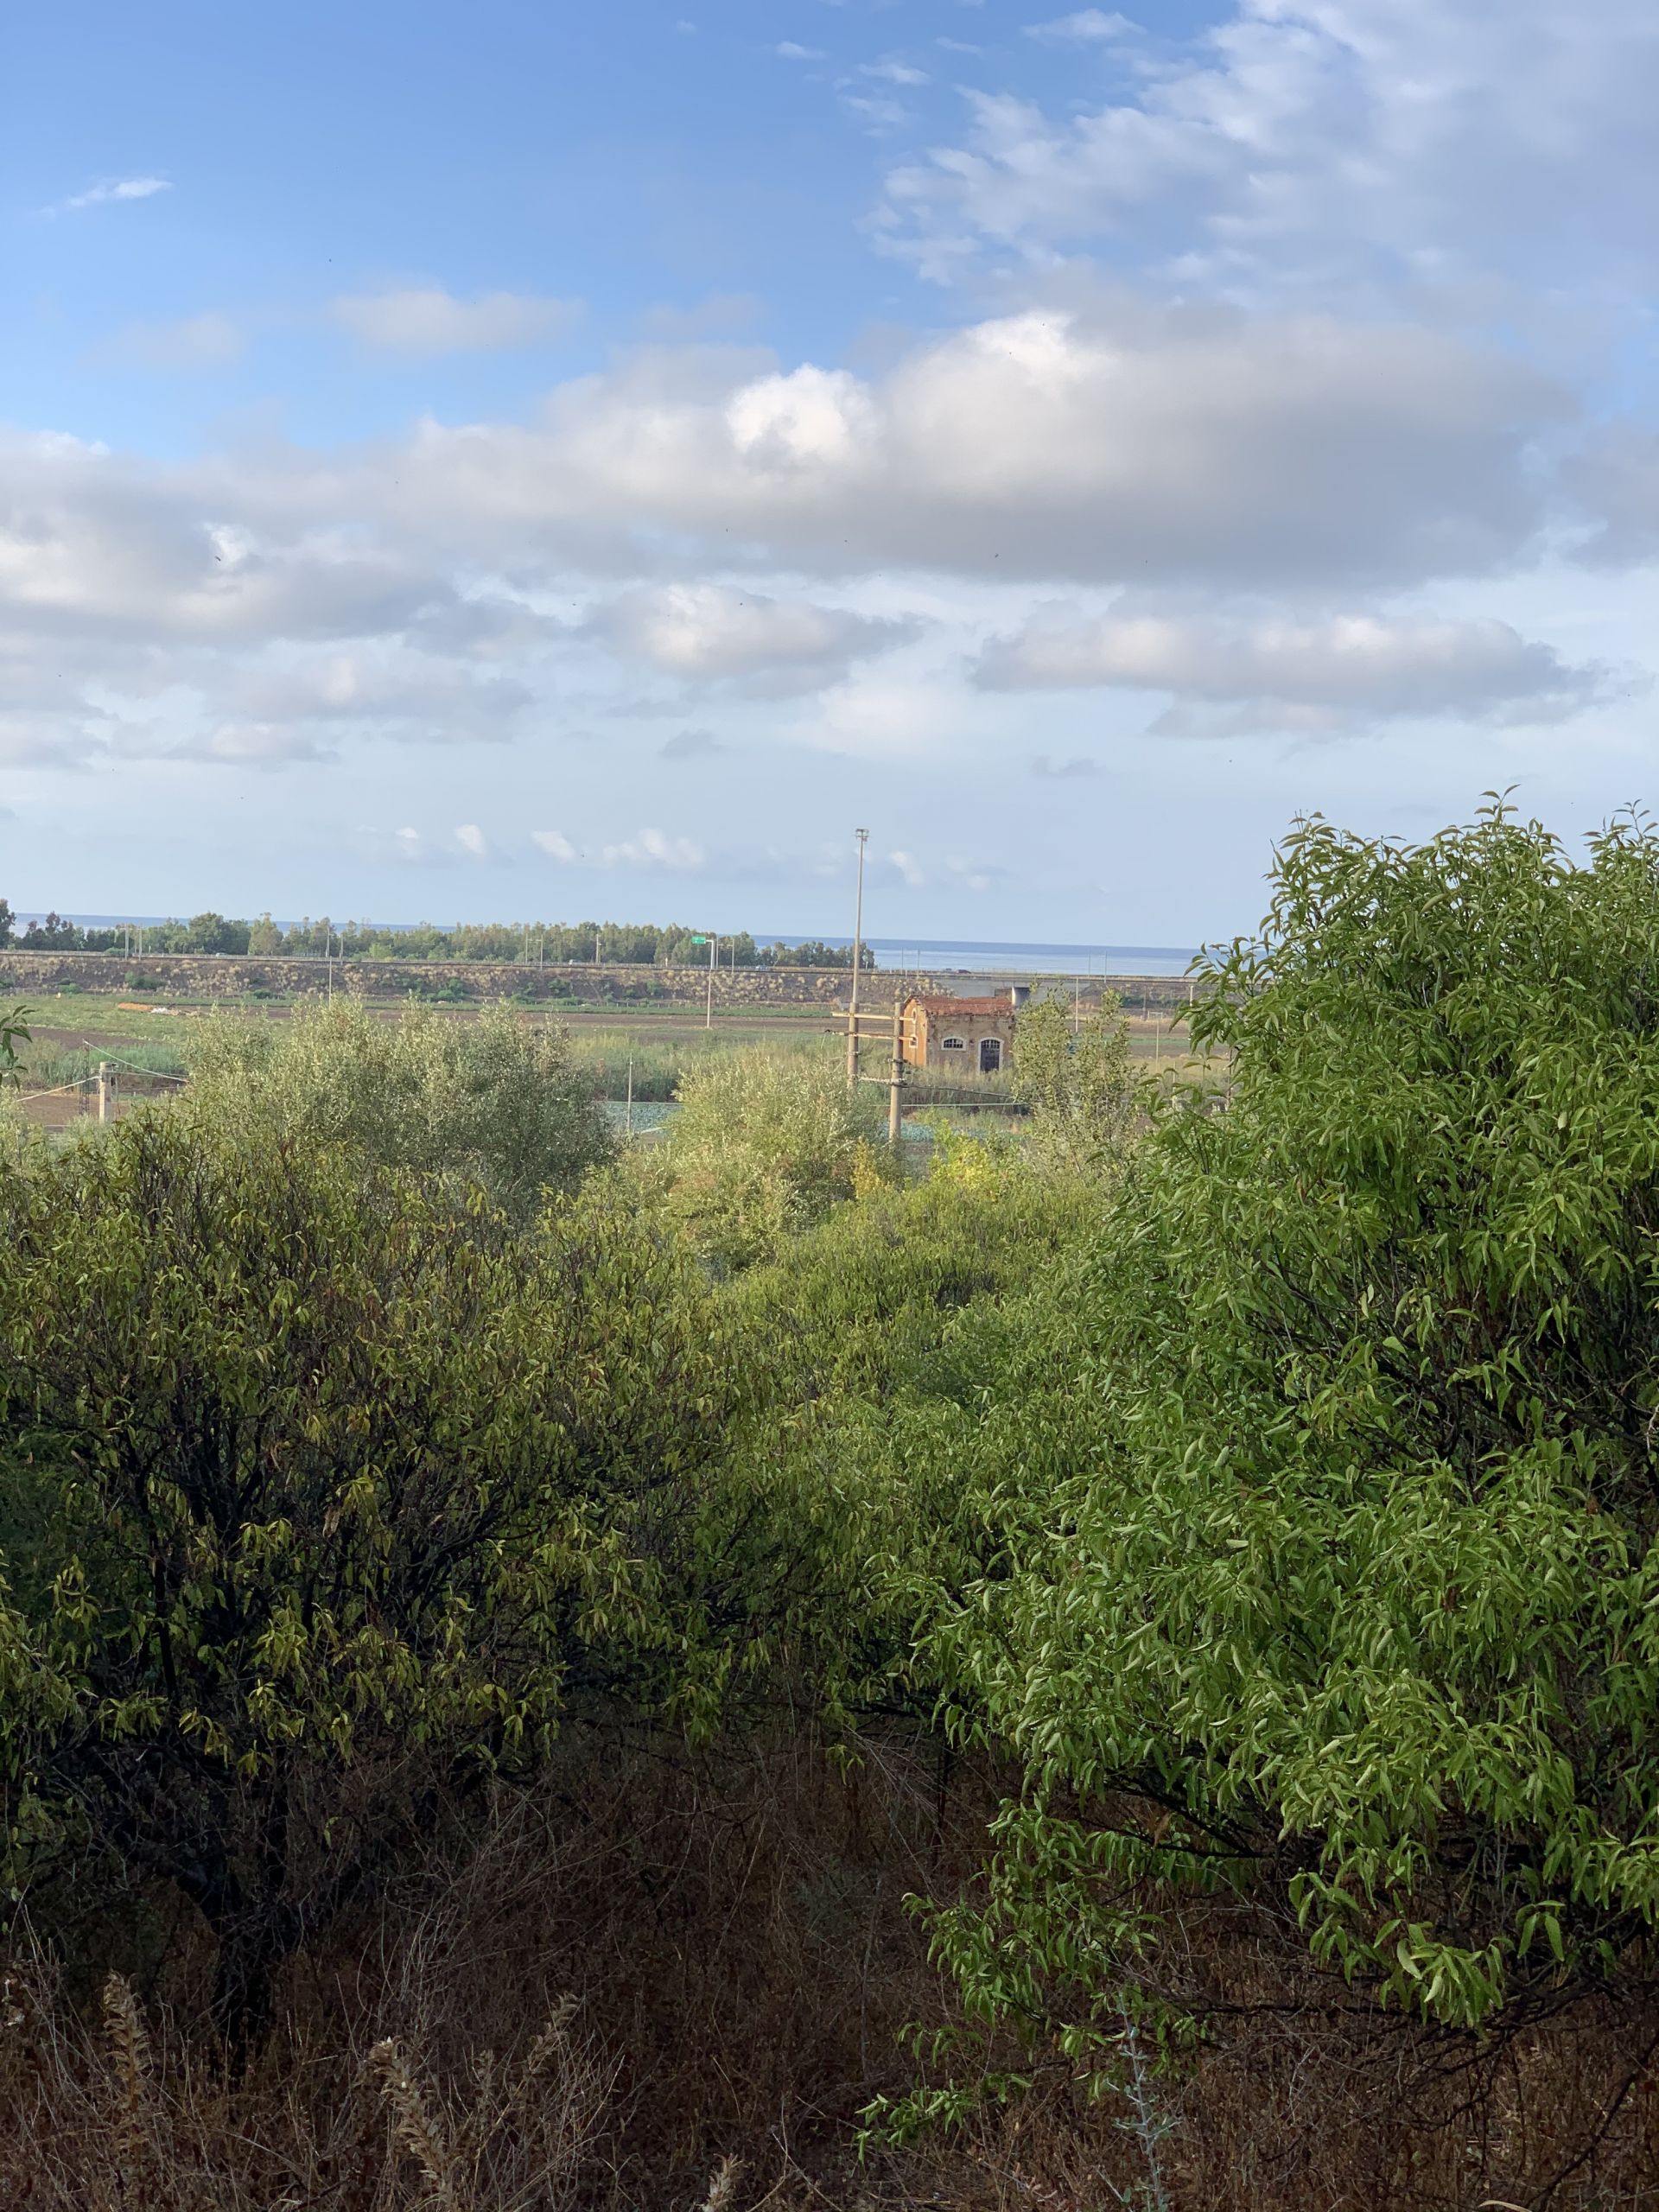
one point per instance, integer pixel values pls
(943, 1005)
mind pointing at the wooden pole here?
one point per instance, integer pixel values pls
(105, 1091)
(895, 1113)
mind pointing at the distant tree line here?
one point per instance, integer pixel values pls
(541, 944)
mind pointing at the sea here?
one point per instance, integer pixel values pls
(985, 955)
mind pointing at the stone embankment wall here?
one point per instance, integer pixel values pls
(192, 976)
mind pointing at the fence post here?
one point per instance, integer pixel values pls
(105, 1091)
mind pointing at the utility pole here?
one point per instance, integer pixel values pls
(709, 1014)
(894, 1114)
(863, 837)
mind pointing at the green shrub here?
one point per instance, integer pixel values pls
(497, 1100)
(321, 1507)
(762, 1148)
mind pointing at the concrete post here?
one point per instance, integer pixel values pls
(105, 1091)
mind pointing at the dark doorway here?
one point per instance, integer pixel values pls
(990, 1055)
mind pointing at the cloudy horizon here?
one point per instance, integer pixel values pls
(479, 465)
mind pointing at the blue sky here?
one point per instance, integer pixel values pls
(531, 461)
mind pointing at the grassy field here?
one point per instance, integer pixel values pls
(150, 1044)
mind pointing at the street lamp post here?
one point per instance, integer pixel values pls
(863, 837)
(712, 942)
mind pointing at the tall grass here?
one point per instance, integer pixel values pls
(659, 1063)
(46, 1067)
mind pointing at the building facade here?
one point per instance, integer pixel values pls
(964, 1036)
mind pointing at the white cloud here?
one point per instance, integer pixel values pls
(472, 842)
(112, 189)
(1324, 673)
(908, 868)
(658, 854)
(1133, 444)
(554, 844)
(428, 319)
(891, 71)
(1333, 144)
(209, 340)
(711, 631)
(236, 745)
(1088, 26)
(380, 686)
(791, 52)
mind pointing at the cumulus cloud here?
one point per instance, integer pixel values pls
(708, 631)
(1325, 673)
(555, 845)
(791, 52)
(428, 319)
(1140, 444)
(658, 854)
(440, 586)
(110, 189)
(891, 71)
(472, 842)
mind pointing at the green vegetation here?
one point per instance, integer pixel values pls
(497, 1099)
(1204, 1547)
(761, 1149)
(541, 944)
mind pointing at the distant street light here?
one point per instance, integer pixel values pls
(863, 837)
(709, 1011)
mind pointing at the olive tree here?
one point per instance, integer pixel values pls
(763, 1147)
(1077, 1078)
(1321, 1491)
(492, 1097)
(323, 1505)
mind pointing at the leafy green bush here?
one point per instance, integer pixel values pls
(1079, 1081)
(497, 1099)
(857, 1351)
(1322, 1493)
(762, 1148)
(321, 1508)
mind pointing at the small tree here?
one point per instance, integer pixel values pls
(498, 1100)
(763, 1147)
(1077, 1079)
(1322, 1491)
(321, 1507)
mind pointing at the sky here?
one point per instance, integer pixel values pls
(519, 460)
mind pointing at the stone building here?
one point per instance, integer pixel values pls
(968, 1036)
